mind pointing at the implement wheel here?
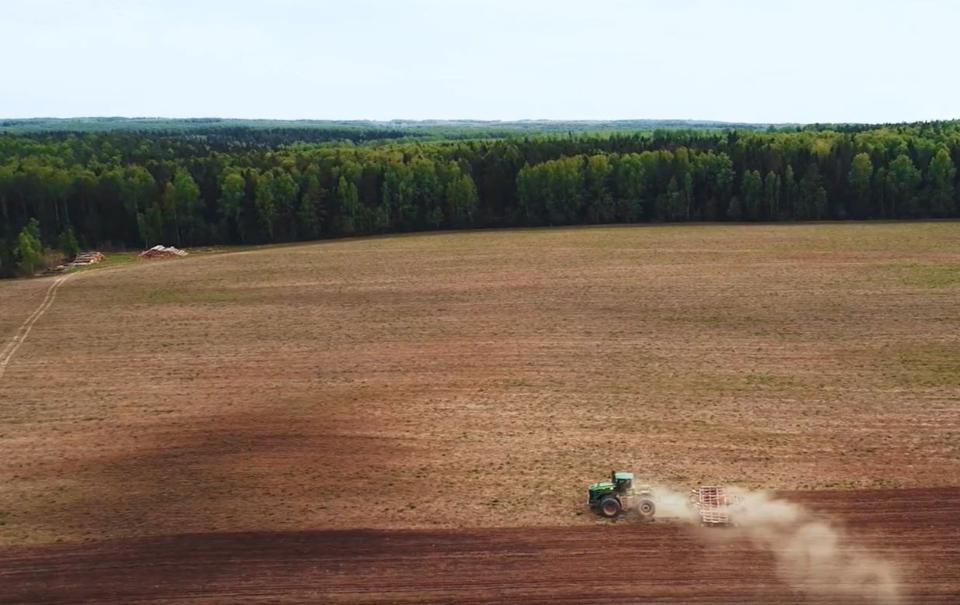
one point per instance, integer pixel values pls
(610, 507)
(646, 509)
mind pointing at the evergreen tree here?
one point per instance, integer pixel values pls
(672, 203)
(265, 204)
(771, 197)
(462, 201)
(629, 186)
(150, 225)
(791, 193)
(940, 188)
(735, 209)
(813, 197)
(902, 181)
(752, 191)
(285, 194)
(349, 200)
(186, 201)
(168, 210)
(859, 179)
(29, 250)
(67, 243)
(310, 211)
(139, 191)
(233, 190)
(598, 199)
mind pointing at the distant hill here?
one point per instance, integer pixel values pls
(359, 129)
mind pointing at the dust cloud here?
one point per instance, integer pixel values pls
(813, 556)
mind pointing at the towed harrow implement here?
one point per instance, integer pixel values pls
(712, 504)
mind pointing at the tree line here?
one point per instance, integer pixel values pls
(135, 189)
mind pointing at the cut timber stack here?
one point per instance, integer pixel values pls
(83, 259)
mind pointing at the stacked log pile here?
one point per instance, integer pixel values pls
(82, 260)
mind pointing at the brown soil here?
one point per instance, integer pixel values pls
(919, 530)
(354, 384)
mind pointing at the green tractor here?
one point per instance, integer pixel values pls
(618, 496)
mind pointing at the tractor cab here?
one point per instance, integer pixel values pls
(619, 483)
(618, 495)
(622, 481)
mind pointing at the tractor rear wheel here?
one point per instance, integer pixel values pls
(610, 507)
(646, 509)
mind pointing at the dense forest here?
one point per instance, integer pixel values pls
(355, 129)
(235, 183)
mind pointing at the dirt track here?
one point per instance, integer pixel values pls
(918, 530)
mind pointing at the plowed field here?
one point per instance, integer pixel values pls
(313, 419)
(623, 563)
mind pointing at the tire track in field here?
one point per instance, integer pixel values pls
(24, 330)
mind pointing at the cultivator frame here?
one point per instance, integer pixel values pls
(713, 505)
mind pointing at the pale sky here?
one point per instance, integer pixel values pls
(751, 61)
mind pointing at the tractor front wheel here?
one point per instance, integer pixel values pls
(610, 507)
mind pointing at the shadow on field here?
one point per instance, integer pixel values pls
(238, 472)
